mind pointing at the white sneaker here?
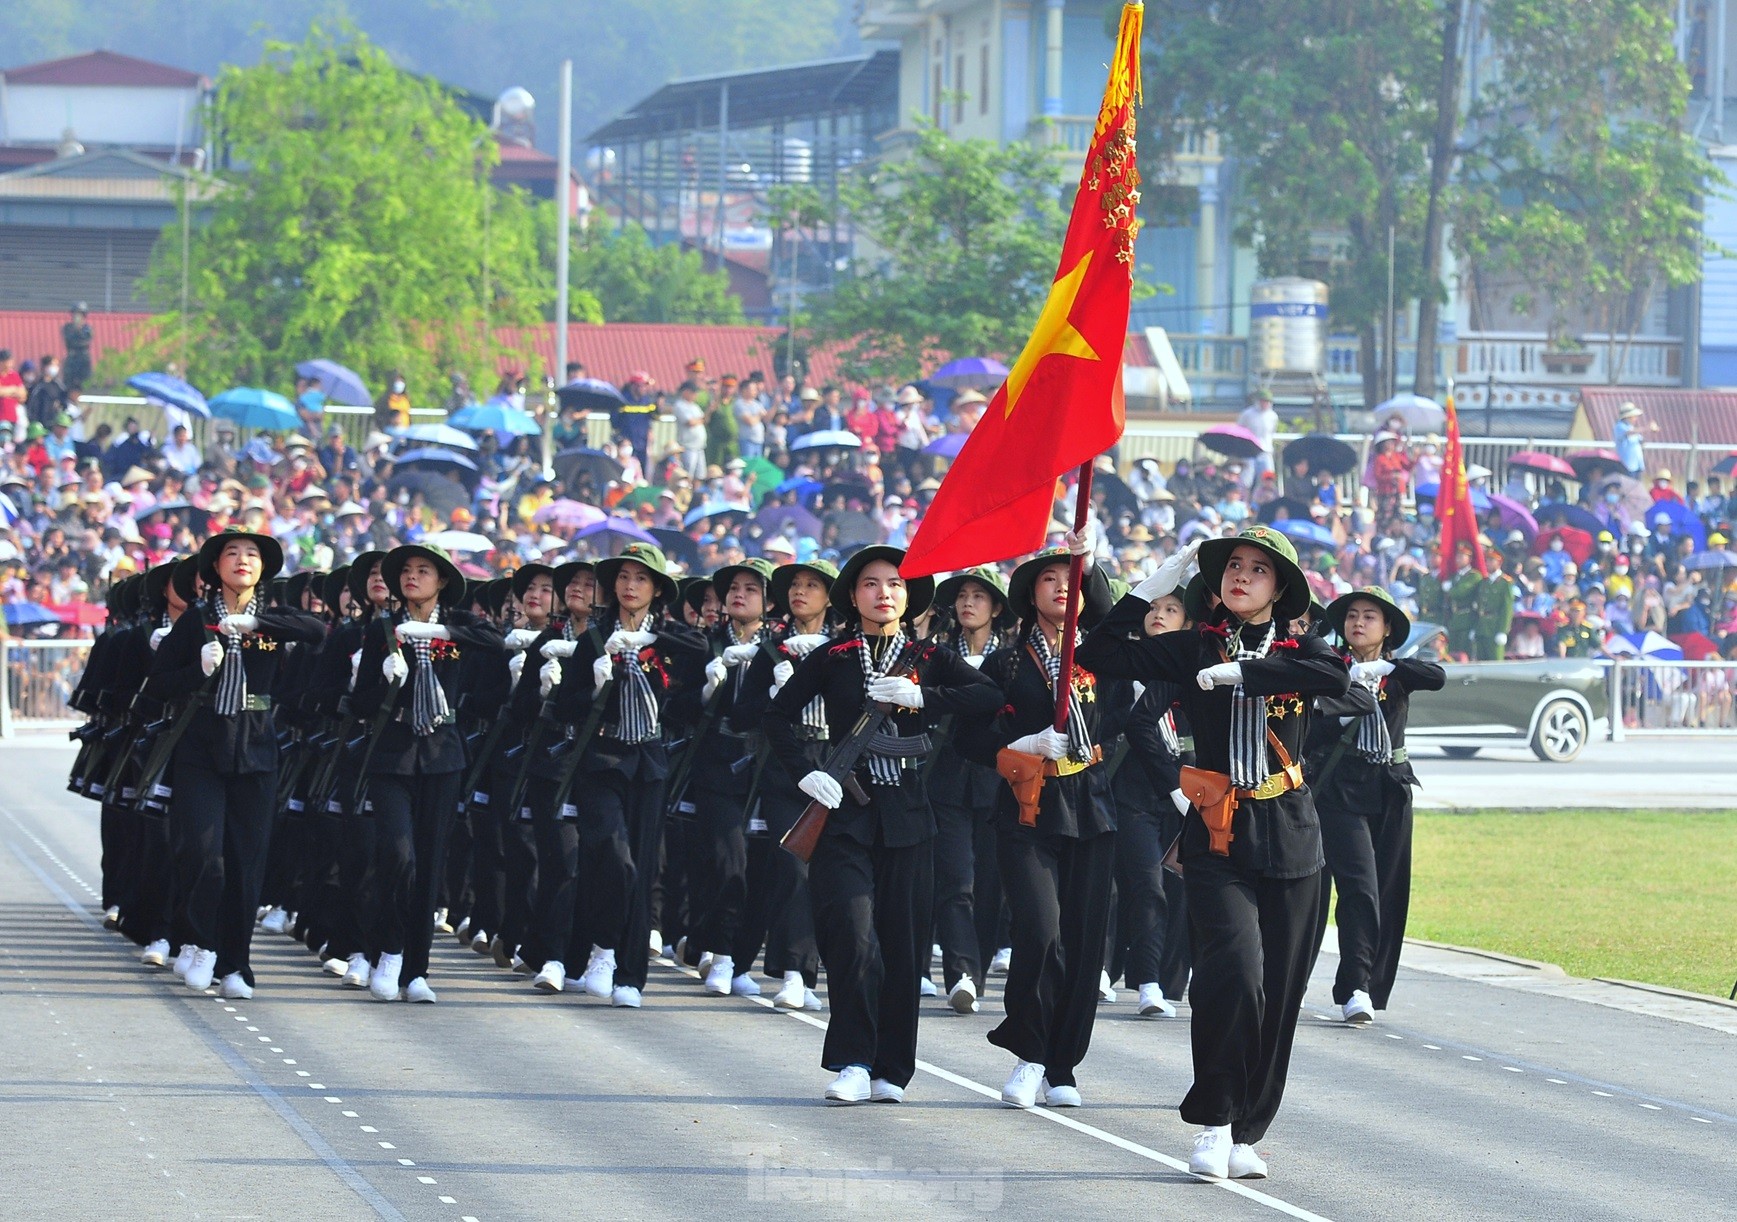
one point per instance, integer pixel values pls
(790, 996)
(1359, 1010)
(383, 981)
(156, 954)
(418, 990)
(705, 964)
(356, 976)
(334, 967)
(882, 1091)
(441, 924)
(1059, 1096)
(744, 986)
(1022, 1084)
(112, 917)
(1211, 1156)
(599, 977)
(234, 988)
(553, 977)
(680, 954)
(626, 996)
(1245, 1164)
(200, 968)
(1106, 991)
(718, 978)
(1152, 1003)
(998, 965)
(926, 987)
(184, 958)
(851, 1086)
(276, 920)
(655, 944)
(480, 942)
(963, 998)
(811, 1001)
(462, 933)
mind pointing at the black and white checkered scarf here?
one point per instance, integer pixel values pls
(1374, 743)
(1248, 714)
(883, 770)
(428, 707)
(231, 695)
(636, 705)
(1079, 738)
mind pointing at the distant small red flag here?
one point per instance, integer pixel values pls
(1453, 502)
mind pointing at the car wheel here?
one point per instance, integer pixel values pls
(1561, 733)
(1459, 753)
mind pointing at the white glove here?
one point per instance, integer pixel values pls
(602, 670)
(1084, 542)
(548, 678)
(623, 641)
(1364, 671)
(739, 655)
(559, 648)
(210, 656)
(1225, 674)
(1139, 690)
(1501, 640)
(974, 661)
(520, 639)
(1170, 574)
(395, 668)
(823, 789)
(781, 675)
(896, 690)
(157, 637)
(1050, 743)
(355, 667)
(1180, 800)
(414, 630)
(239, 623)
(516, 667)
(805, 643)
(716, 673)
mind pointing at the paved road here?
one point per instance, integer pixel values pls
(1680, 772)
(1484, 1094)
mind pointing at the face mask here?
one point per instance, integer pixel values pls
(1611, 498)
(1555, 545)
(397, 388)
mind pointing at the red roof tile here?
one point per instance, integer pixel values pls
(614, 350)
(102, 68)
(30, 333)
(1684, 417)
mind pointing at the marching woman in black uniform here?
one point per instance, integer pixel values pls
(870, 875)
(223, 774)
(340, 666)
(1251, 845)
(1057, 853)
(414, 661)
(1362, 779)
(631, 662)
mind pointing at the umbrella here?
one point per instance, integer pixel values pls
(440, 493)
(645, 494)
(716, 509)
(1632, 494)
(676, 545)
(1585, 462)
(1542, 463)
(440, 460)
(591, 395)
(1696, 646)
(1304, 531)
(1515, 516)
(947, 445)
(788, 519)
(253, 408)
(763, 473)
(1421, 415)
(1557, 514)
(83, 614)
(1717, 559)
(970, 373)
(577, 462)
(1231, 440)
(1577, 543)
(1322, 452)
(20, 615)
(1726, 467)
(854, 528)
(1643, 645)
(460, 541)
(568, 514)
(167, 388)
(801, 485)
(849, 485)
(1480, 498)
(495, 416)
(843, 438)
(615, 532)
(339, 384)
(1289, 506)
(1118, 497)
(1682, 519)
(436, 435)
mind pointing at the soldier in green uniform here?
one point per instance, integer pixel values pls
(1495, 610)
(1463, 601)
(1577, 638)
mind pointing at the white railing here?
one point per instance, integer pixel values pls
(40, 678)
(1524, 356)
(1650, 697)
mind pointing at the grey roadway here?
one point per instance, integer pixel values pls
(124, 1095)
(1680, 772)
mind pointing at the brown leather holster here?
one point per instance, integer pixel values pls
(1026, 773)
(1212, 795)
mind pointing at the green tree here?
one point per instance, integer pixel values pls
(352, 218)
(962, 238)
(632, 280)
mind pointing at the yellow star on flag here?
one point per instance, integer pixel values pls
(1054, 333)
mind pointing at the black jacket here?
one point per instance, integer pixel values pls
(668, 665)
(1355, 784)
(401, 751)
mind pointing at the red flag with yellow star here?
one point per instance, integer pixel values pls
(1061, 405)
(1453, 502)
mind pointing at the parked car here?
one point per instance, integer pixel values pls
(1553, 705)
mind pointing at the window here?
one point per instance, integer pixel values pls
(935, 102)
(959, 89)
(983, 79)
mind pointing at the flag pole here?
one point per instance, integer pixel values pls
(1076, 578)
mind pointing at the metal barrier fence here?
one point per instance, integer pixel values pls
(1653, 697)
(40, 677)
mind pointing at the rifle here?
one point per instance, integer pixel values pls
(683, 766)
(582, 745)
(544, 721)
(376, 728)
(470, 795)
(150, 795)
(841, 763)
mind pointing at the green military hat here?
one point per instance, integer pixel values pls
(784, 574)
(648, 555)
(757, 565)
(1398, 622)
(987, 576)
(451, 592)
(1293, 595)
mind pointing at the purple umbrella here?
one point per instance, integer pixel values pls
(947, 445)
(1515, 516)
(970, 373)
(788, 519)
(615, 532)
(569, 515)
(1231, 440)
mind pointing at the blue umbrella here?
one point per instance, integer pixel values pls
(714, 509)
(622, 531)
(167, 388)
(801, 485)
(591, 395)
(1305, 531)
(21, 615)
(973, 372)
(947, 445)
(1717, 559)
(495, 416)
(827, 437)
(1480, 498)
(436, 435)
(1682, 519)
(338, 383)
(439, 460)
(1559, 514)
(253, 408)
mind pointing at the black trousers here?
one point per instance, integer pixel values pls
(220, 828)
(718, 871)
(620, 828)
(488, 871)
(456, 895)
(671, 912)
(352, 926)
(148, 917)
(551, 927)
(412, 818)
(1058, 890)
(778, 915)
(967, 893)
(119, 831)
(872, 908)
(518, 871)
(319, 896)
(1253, 941)
(1150, 943)
(1369, 858)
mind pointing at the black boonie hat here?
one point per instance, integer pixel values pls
(565, 573)
(493, 594)
(155, 595)
(185, 579)
(523, 577)
(391, 568)
(361, 568)
(919, 591)
(270, 554)
(333, 587)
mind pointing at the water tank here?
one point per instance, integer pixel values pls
(1287, 326)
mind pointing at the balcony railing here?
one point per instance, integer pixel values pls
(1073, 134)
(1646, 360)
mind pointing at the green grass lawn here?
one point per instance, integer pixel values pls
(1638, 895)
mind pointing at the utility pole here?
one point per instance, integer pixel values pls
(564, 212)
